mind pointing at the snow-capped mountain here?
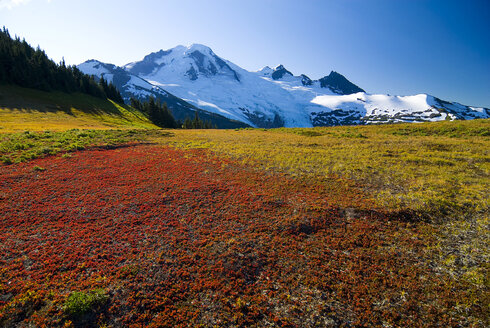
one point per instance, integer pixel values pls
(130, 85)
(269, 97)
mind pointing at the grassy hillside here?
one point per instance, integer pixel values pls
(28, 109)
(23, 146)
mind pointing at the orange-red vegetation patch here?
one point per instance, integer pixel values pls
(182, 238)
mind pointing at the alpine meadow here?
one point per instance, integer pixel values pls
(184, 190)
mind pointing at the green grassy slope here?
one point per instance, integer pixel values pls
(28, 109)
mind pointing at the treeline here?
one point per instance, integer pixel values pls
(27, 67)
(161, 116)
(157, 112)
(197, 123)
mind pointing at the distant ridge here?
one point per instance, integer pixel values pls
(197, 78)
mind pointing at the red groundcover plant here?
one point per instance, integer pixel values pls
(160, 237)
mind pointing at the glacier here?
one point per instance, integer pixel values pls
(269, 97)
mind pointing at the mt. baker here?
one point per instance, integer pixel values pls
(267, 98)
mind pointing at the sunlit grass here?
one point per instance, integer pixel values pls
(437, 172)
(438, 169)
(33, 110)
(24, 146)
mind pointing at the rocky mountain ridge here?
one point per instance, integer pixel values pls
(195, 78)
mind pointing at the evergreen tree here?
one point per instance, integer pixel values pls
(27, 67)
(196, 123)
(187, 123)
(135, 103)
(167, 117)
(157, 112)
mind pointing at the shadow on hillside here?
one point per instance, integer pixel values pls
(35, 101)
(91, 109)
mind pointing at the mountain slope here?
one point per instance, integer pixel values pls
(339, 84)
(131, 85)
(24, 109)
(275, 97)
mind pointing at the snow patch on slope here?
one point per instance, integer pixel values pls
(381, 108)
(272, 97)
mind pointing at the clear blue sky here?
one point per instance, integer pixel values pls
(385, 46)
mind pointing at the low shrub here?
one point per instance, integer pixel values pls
(80, 303)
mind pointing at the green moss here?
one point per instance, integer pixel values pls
(79, 303)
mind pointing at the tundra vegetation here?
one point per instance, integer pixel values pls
(381, 225)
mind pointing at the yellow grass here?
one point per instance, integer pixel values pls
(438, 170)
(32, 110)
(442, 173)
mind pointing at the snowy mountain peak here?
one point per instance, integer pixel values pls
(280, 72)
(199, 47)
(148, 64)
(95, 67)
(339, 84)
(93, 61)
(267, 98)
(266, 71)
(189, 62)
(305, 80)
